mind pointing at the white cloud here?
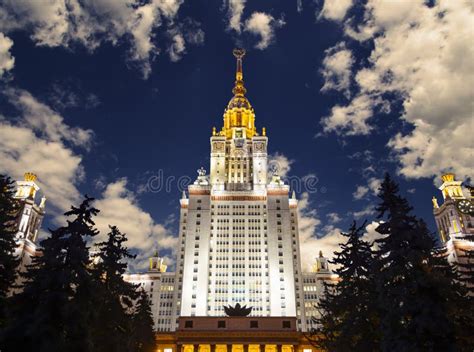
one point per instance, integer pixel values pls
(118, 206)
(264, 26)
(367, 211)
(352, 118)
(335, 9)
(299, 5)
(93, 22)
(333, 217)
(307, 223)
(39, 141)
(45, 121)
(331, 242)
(188, 33)
(178, 47)
(279, 164)
(360, 192)
(374, 185)
(371, 235)
(235, 10)
(7, 61)
(421, 53)
(336, 69)
(327, 240)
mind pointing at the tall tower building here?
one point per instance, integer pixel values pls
(455, 218)
(238, 235)
(238, 232)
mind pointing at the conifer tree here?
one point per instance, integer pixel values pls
(112, 329)
(417, 288)
(143, 335)
(8, 260)
(349, 318)
(56, 306)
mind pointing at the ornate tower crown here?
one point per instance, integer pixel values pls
(30, 177)
(449, 177)
(28, 187)
(450, 187)
(239, 114)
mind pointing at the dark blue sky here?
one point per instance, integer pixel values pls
(141, 126)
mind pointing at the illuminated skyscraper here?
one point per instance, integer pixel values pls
(238, 229)
(238, 232)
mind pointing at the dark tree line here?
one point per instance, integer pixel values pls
(70, 298)
(401, 296)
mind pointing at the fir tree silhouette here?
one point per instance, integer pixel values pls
(418, 290)
(8, 260)
(54, 310)
(349, 319)
(143, 335)
(112, 329)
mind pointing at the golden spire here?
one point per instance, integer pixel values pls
(239, 113)
(239, 88)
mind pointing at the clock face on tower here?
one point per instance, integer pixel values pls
(465, 206)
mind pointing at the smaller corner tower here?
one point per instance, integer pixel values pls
(30, 217)
(454, 217)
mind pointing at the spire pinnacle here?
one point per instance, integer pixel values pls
(239, 88)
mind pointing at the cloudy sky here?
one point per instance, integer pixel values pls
(113, 98)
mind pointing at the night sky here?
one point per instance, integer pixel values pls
(102, 97)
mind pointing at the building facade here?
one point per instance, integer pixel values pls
(238, 232)
(455, 219)
(235, 334)
(313, 288)
(30, 218)
(160, 286)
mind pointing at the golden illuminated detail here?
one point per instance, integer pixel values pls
(221, 348)
(239, 113)
(236, 348)
(254, 348)
(435, 202)
(449, 177)
(30, 177)
(204, 348)
(450, 187)
(271, 348)
(157, 263)
(455, 226)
